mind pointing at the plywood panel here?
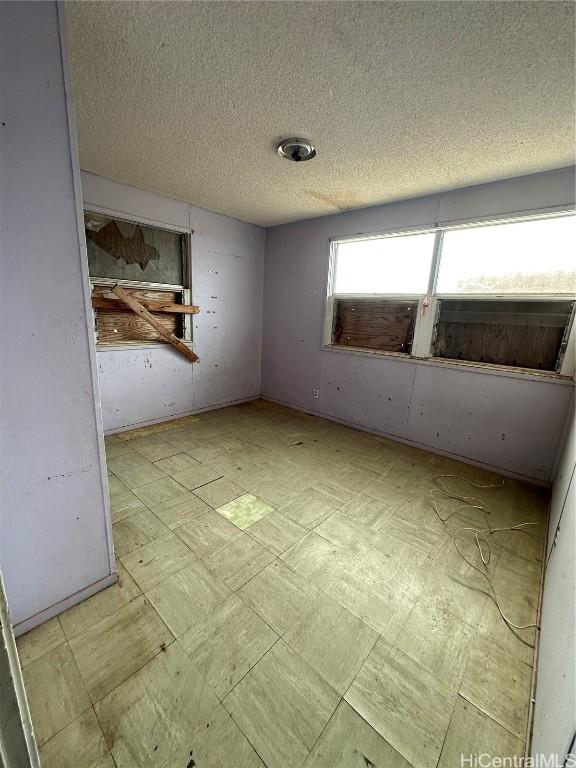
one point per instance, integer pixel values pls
(375, 324)
(124, 325)
(526, 334)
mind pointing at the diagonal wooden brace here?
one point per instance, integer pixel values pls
(142, 312)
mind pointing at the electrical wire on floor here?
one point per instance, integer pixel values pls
(480, 534)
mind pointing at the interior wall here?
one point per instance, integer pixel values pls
(54, 523)
(505, 421)
(555, 708)
(151, 382)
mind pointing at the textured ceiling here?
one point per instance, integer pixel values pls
(401, 99)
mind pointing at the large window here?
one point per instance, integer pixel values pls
(495, 293)
(150, 263)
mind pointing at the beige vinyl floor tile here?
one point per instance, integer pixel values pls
(498, 684)
(136, 531)
(158, 491)
(195, 477)
(520, 643)
(178, 462)
(380, 490)
(219, 492)
(365, 510)
(180, 509)
(134, 470)
(413, 533)
(278, 492)
(407, 705)
(333, 641)
(84, 615)
(356, 479)
(208, 534)
(227, 644)
(437, 641)
(55, 691)
(80, 745)
(115, 448)
(311, 555)
(309, 508)
(40, 641)
(472, 733)
(116, 487)
(154, 562)
(220, 744)
(186, 598)
(117, 646)
(239, 561)
(463, 596)
(349, 742)
(349, 548)
(124, 505)
(245, 510)
(280, 596)
(343, 531)
(282, 705)
(517, 580)
(276, 532)
(153, 448)
(157, 711)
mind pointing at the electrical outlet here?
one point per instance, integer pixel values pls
(316, 393)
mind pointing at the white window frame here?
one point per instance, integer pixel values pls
(428, 305)
(185, 290)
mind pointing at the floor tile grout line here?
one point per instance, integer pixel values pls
(491, 717)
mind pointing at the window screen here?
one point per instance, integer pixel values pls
(122, 250)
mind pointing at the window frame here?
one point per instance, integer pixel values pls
(429, 304)
(185, 289)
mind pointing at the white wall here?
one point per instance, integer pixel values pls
(510, 422)
(54, 530)
(555, 709)
(152, 382)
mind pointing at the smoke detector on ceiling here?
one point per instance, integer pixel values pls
(296, 150)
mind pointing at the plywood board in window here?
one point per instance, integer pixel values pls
(379, 324)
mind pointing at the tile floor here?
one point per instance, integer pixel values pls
(287, 597)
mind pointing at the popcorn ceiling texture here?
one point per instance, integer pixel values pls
(401, 99)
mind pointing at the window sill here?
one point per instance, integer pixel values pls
(459, 365)
(125, 346)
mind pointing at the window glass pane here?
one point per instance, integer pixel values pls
(123, 250)
(384, 265)
(524, 257)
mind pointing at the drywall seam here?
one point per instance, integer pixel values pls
(75, 168)
(412, 443)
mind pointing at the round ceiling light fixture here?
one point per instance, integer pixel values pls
(296, 150)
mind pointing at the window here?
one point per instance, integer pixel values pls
(149, 262)
(497, 293)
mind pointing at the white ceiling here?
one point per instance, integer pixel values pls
(401, 99)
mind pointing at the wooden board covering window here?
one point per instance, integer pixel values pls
(381, 324)
(123, 325)
(523, 334)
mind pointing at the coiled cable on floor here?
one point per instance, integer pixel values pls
(480, 534)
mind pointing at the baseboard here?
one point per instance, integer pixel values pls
(48, 613)
(412, 443)
(195, 412)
